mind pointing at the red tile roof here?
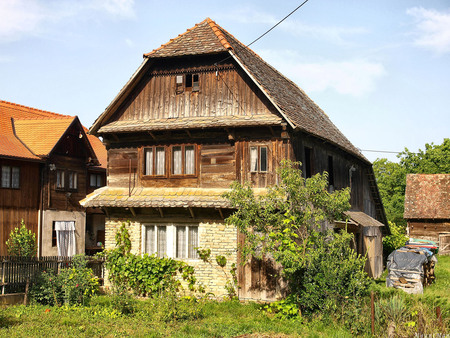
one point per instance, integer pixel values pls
(427, 196)
(31, 133)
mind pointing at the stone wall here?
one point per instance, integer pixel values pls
(217, 236)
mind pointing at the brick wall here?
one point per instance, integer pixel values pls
(219, 237)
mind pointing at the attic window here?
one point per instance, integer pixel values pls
(188, 82)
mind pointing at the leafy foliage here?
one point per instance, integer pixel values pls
(391, 176)
(73, 285)
(395, 240)
(289, 224)
(22, 242)
(147, 274)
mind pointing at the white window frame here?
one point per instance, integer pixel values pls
(255, 158)
(171, 240)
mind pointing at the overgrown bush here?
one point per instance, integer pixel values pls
(395, 240)
(147, 274)
(289, 225)
(73, 285)
(22, 242)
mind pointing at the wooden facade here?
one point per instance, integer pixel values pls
(239, 118)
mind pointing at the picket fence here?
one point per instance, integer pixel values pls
(17, 272)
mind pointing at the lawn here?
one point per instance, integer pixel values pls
(191, 318)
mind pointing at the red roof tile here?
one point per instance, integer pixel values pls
(427, 196)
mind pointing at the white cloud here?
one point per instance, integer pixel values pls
(432, 29)
(19, 18)
(355, 77)
(338, 35)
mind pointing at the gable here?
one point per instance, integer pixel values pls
(427, 196)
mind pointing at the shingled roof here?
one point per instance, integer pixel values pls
(427, 196)
(293, 104)
(30, 133)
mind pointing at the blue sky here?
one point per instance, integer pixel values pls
(379, 69)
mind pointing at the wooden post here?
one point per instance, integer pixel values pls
(439, 316)
(3, 277)
(372, 309)
(25, 298)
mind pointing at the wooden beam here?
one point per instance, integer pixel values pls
(133, 211)
(231, 135)
(106, 211)
(161, 212)
(272, 131)
(115, 137)
(188, 133)
(220, 212)
(192, 212)
(152, 135)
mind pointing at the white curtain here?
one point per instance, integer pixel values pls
(181, 242)
(150, 239)
(193, 242)
(253, 158)
(176, 170)
(65, 238)
(161, 241)
(149, 161)
(160, 161)
(189, 157)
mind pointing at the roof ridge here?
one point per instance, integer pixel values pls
(176, 38)
(218, 31)
(34, 110)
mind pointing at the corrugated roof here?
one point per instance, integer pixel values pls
(427, 196)
(159, 197)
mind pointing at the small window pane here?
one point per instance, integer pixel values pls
(195, 85)
(253, 159)
(189, 157)
(193, 242)
(60, 179)
(6, 176)
(181, 242)
(150, 240)
(176, 160)
(92, 180)
(148, 161)
(160, 161)
(99, 180)
(161, 242)
(15, 179)
(72, 180)
(263, 158)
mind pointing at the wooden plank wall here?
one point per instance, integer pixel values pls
(428, 229)
(225, 94)
(18, 204)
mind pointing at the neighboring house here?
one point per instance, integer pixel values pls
(48, 164)
(427, 208)
(201, 112)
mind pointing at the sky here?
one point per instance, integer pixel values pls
(379, 69)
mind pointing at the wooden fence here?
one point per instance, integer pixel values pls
(16, 271)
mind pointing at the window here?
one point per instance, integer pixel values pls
(308, 165)
(95, 180)
(155, 161)
(176, 241)
(10, 177)
(63, 236)
(188, 82)
(258, 159)
(330, 171)
(183, 160)
(73, 180)
(60, 179)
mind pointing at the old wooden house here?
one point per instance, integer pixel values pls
(201, 112)
(48, 165)
(427, 208)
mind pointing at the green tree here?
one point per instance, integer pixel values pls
(289, 223)
(391, 176)
(22, 242)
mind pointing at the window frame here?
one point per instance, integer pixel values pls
(183, 160)
(187, 82)
(97, 177)
(171, 240)
(154, 159)
(10, 169)
(259, 147)
(63, 180)
(72, 182)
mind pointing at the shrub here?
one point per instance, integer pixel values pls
(73, 285)
(22, 242)
(395, 240)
